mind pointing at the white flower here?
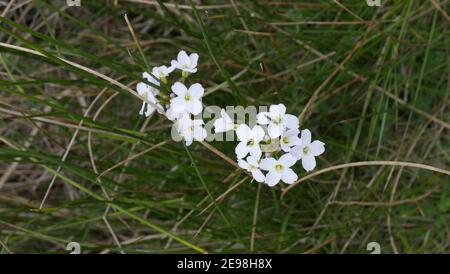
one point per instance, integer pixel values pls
(223, 124)
(250, 139)
(191, 130)
(277, 120)
(307, 150)
(162, 72)
(172, 115)
(251, 165)
(187, 99)
(289, 139)
(146, 91)
(279, 169)
(186, 63)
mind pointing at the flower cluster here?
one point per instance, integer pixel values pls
(272, 145)
(268, 150)
(180, 102)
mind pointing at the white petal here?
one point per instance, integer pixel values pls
(177, 104)
(228, 122)
(243, 132)
(151, 97)
(268, 164)
(142, 88)
(292, 132)
(274, 130)
(253, 160)
(174, 64)
(272, 178)
(188, 140)
(172, 115)
(277, 110)
(196, 90)
(146, 75)
(149, 111)
(187, 135)
(184, 123)
(295, 141)
(199, 133)
(308, 162)
(156, 71)
(183, 58)
(285, 147)
(195, 106)
(306, 137)
(241, 150)
(177, 101)
(243, 164)
(255, 151)
(258, 175)
(170, 69)
(287, 160)
(153, 77)
(164, 70)
(154, 91)
(194, 59)
(289, 176)
(297, 152)
(258, 133)
(198, 122)
(155, 82)
(225, 116)
(291, 121)
(262, 118)
(292, 139)
(317, 148)
(190, 70)
(179, 89)
(220, 125)
(141, 112)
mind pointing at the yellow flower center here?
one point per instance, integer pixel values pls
(306, 150)
(250, 142)
(276, 119)
(278, 167)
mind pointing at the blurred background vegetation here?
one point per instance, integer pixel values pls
(77, 162)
